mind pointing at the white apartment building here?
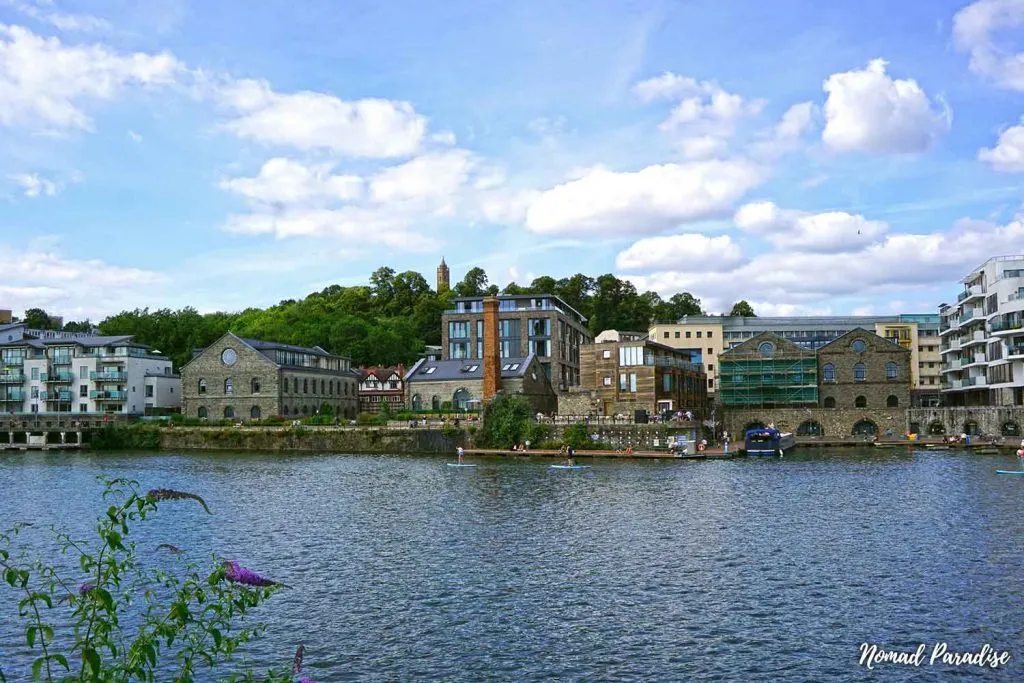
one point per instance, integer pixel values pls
(63, 372)
(982, 337)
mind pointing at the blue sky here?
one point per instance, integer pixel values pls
(805, 156)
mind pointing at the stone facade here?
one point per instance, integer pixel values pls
(1006, 422)
(830, 423)
(579, 403)
(430, 394)
(256, 387)
(862, 370)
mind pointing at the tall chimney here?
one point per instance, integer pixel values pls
(492, 354)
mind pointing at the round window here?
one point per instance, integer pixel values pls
(228, 357)
(859, 345)
(766, 349)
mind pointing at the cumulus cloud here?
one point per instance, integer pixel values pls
(431, 176)
(44, 83)
(974, 32)
(867, 111)
(42, 11)
(828, 232)
(284, 181)
(644, 201)
(788, 133)
(1008, 154)
(694, 251)
(367, 128)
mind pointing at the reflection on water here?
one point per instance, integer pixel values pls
(759, 569)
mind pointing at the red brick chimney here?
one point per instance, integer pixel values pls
(492, 354)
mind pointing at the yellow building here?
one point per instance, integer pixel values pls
(704, 339)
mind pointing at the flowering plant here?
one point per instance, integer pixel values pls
(119, 620)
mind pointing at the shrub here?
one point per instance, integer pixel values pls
(119, 437)
(126, 621)
(369, 419)
(507, 421)
(578, 437)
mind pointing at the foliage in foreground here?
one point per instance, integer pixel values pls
(127, 620)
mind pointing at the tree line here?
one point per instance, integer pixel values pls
(385, 322)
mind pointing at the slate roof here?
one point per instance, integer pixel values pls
(120, 340)
(463, 369)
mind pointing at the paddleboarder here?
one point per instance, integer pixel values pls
(460, 452)
(571, 452)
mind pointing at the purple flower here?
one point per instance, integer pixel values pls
(170, 494)
(304, 679)
(84, 589)
(236, 573)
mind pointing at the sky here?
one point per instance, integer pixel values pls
(808, 157)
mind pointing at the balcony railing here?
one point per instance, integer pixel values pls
(57, 377)
(108, 395)
(12, 378)
(1015, 351)
(108, 376)
(1003, 326)
(55, 395)
(61, 360)
(18, 396)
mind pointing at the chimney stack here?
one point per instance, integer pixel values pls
(492, 354)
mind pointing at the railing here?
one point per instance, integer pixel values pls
(13, 396)
(108, 395)
(12, 378)
(108, 376)
(1015, 351)
(61, 360)
(1005, 326)
(55, 395)
(57, 377)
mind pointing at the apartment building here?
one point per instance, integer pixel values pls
(43, 371)
(982, 337)
(707, 337)
(541, 325)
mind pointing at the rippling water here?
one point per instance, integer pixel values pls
(756, 569)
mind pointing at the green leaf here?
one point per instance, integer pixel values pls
(216, 637)
(30, 635)
(37, 669)
(91, 659)
(62, 660)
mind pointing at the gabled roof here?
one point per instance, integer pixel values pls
(783, 347)
(860, 332)
(453, 370)
(260, 346)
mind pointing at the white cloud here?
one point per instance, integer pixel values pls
(393, 229)
(702, 147)
(666, 86)
(134, 136)
(788, 133)
(368, 128)
(689, 251)
(644, 201)
(284, 181)
(44, 84)
(40, 11)
(828, 232)
(34, 186)
(445, 137)
(1008, 154)
(973, 32)
(867, 111)
(431, 176)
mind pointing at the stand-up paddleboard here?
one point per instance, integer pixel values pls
(1009, 471)
(460, 464)
(570, 467)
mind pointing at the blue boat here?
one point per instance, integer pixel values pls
(768, 442)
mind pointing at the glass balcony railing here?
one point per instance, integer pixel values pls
(108, 395)
(55, 395)
(18, 396)
(108, 376)
(12, 378)
(57, 377)
(1003, 326)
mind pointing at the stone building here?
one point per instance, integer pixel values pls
(767, 371)
(244, 379)
(459, 384)
(379, 386)
(443, 277)
(862, 370)
(628, 374)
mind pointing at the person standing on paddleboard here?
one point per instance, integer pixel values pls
(460, 452)
(571, 452)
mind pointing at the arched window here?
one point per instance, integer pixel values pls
(229, 388)
(295, 385)
(860, 372)
(860, 402)
(255, 385)
(830, 402)
(460, 401)
(305, 386)
(330, 388)
(892, 371)
(255, 412)
(971, 428)
(322, 392)
(766, 349)
(295, 410)
(346, 388)
(1011, 429)
(417, 402)
(229, 412)
(809, 428)
(202, 386)
(893, 401)
(201, 413)
(828, 373)
(936, 429)
(435, 403)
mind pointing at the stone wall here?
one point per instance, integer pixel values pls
(579, 402)
(315, 439)
(991, 421)
(643, 436)
(834, 422)
(876, 387)
(208, 368)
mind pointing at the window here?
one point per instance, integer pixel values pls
(860, 372)
(710, 333)
(458, 329)
(892, 402)
(201, 413)
(322, 387)
(687, 334)
(229, 412)
(666, 334)
(255, 412)
(711, 383)
(202, 386)
(666, 383)
(83, 407)
(255, 385)
(860, 402)
(606, 354)
(539, 327)
(698, 334)
(766, 349)
(858, 345)
(828, 373)
(711, 352)
(83, 390)
(83, 372)
(892, 370)
(631, 355)
(35, 373)
(677, 334)
(295, 385)
(607, 381)
(330, 388)
(830, 402)
(228, 387)
(305, 386)
(149, 391)
(711, 367)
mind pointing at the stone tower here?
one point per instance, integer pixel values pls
(443, 278)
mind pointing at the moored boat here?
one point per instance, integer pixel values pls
(768, 442)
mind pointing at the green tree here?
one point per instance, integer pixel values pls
(84, 326)
(473, 284)
(507, 421)
(742, 309)
(38, 319)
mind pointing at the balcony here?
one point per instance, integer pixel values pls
(1000, 328)
(61, 360)
(108, 376)
(953, 366)
(12, 378)
(976, 338)
(1016, 351)
(971, 292)
(108, 395)
(59, 377)
(975, 382)
(64, 396)
(15, 395)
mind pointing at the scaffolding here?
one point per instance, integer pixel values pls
(752, 380)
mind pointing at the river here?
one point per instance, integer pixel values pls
(403, 569)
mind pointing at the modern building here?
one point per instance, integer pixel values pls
(982, 337)
(5, 316)
(459, 384)
(706, 337)
(379, 386)
(768, 371)
(45, 371)
(540, 325)
(241, 379)
(861, 369)
(626, 372)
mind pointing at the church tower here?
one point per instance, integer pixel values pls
(443, 278)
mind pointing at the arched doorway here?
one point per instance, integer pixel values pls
(865, 428)
(435, 403)
(461, 399)
(893, 401)
(830, 402)
(417, 402)
(971, 428)
(255, 413)
(809, 428)
(1011, 428)
(936, 429)
(753, 425)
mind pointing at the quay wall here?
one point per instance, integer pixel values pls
(313, 439)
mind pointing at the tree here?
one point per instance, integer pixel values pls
(474, 284)
(84, 326)
(742, 309)
(507, 421)
(37, 319)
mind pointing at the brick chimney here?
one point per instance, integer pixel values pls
(492, 354)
